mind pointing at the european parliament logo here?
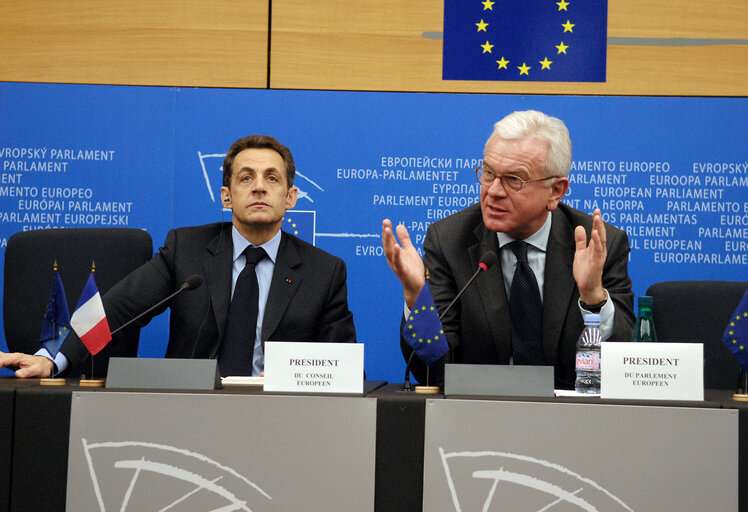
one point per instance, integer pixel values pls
(525, 40)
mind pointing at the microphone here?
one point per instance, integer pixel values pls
(191, 283)
(487, 260)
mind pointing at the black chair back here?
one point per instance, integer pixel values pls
(29, 261)
(698, 311)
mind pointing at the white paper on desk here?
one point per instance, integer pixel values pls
(301, 367)
(572, 393)
(242, 381)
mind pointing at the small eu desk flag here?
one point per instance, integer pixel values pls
(525, 40)
(423, 330)
(89, 320)
(56, 326)
(736, 333)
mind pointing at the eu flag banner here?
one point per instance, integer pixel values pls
(423, 330)
(736, 333)
(56, 325)
(525, 40)
(89, 320)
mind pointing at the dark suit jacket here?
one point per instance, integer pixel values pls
(478, 325)
(307, 299)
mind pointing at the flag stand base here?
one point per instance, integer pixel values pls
(51, 381)
(740, 397)
(92, 383)
(427, 390)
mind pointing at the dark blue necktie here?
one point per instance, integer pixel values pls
(239, 341)
(526, 311)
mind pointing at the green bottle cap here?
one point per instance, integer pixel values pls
(645, 301)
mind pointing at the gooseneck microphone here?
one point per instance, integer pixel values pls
(487, 260)
(191, 283)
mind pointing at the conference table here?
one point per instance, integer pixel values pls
(35, 426)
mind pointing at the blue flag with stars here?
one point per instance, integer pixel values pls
(736, 333)
(423, 330)
(300, 223)
(56, 325)
(525, 40)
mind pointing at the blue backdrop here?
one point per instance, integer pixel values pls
(673, 172)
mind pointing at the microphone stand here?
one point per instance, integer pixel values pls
(406, 381)
(185, 286)
(489, 259)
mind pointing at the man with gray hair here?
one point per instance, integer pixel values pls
(555, 263)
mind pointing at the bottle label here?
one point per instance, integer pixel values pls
(588, 360)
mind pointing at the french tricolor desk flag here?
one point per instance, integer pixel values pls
(89, 320)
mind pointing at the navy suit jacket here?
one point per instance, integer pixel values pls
(478, 325)
(307, 300)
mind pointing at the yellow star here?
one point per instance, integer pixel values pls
(730, 333)
(524, 69)
(423, 308)
(745, 315)
(431, 308)
(732, 324)
(546, 63)
(488, 5)
(441, 331)
(562, 5)
(741, 347)
(502, 63)
(561, 48)
(482, 26)
(410, 326)
(414, 335)
(568, 26)
(428, 341)
(487, 47)
(420, 340)
(737, 317)
(410, 317)
(734, 342)
(436, 337)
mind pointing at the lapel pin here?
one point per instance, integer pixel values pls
(288, 280)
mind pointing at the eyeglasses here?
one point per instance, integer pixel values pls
(509, 181)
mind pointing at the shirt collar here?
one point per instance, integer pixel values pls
(539, 239)
(241, 243)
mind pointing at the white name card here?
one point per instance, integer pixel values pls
(652, 371)
(300, 367)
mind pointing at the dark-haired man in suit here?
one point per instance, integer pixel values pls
(555, 262)
(299, 291)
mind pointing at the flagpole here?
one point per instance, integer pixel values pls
(92, 382)
(741, 395)
(57, 295)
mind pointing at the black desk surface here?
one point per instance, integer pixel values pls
(35, 442)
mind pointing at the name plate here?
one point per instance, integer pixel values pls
(652, 371)
(300, 367)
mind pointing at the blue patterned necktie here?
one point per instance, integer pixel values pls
(239, 341)
(526, 311)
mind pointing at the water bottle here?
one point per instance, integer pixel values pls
(644, 330)
(588, 356)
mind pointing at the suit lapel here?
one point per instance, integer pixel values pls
(217, 266)
(491, 288)
(559, 285)
(286, 281)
